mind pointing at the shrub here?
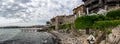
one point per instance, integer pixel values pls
(106, 24)
(108, 31)
(52, 27)
(115, 14)
(100, 18)
(87, 21)
(65, 26)
(83, 22)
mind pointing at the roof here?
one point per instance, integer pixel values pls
(78, 7)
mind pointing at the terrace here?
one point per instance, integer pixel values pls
(89, 2)
(112, 0)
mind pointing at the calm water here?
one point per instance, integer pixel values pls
(15, 36)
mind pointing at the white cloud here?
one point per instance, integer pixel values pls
(9, 20)
(23, 24)
(36, 10)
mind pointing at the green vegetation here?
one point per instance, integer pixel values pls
(106, 24)
(115, 14)
(84, 22)
(99, 22)
(65, 26)
(105, 27)
(52, 27)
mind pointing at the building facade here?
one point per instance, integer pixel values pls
(79, 10)
(60, 20)
(93, 6)
(57, 21)
(69, 19)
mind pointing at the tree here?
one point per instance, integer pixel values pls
(86, 22)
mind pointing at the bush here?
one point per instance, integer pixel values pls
(87, 21)
(83, 22)
(65, 26)
(100, 18)
(52, 27)
(115, 14)
(106, 24)
(98, 21)
(108, 31)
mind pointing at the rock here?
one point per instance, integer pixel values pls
(114, 37)
(66, 38)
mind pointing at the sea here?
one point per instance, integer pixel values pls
(16, 36)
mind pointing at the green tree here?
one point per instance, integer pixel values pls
(86, 22)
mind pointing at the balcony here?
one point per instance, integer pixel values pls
(111, 1)
(88, 2)
(94, 6)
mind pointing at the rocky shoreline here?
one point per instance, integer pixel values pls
(68, 38)
(65, 38)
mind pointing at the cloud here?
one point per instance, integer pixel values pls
(24, 24)
(36, 10)
(8, 20)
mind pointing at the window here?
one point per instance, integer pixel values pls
(60, 22)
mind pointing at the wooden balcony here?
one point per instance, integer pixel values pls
(94, 6)
(88, 2)
(112, 0)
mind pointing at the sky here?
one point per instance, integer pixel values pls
(34, 12)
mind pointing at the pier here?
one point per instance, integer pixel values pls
(34, 29)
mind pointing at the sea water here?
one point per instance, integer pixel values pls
(16, 36)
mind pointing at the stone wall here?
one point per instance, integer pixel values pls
(69, 19)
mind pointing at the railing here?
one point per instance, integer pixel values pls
(94, 6)
(111, 0)
(33, 29)
(89, 2)
(28, 30)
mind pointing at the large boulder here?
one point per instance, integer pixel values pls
(114, 37)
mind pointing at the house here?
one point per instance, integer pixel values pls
(93, 6)
(60, 20)
(79, 10)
